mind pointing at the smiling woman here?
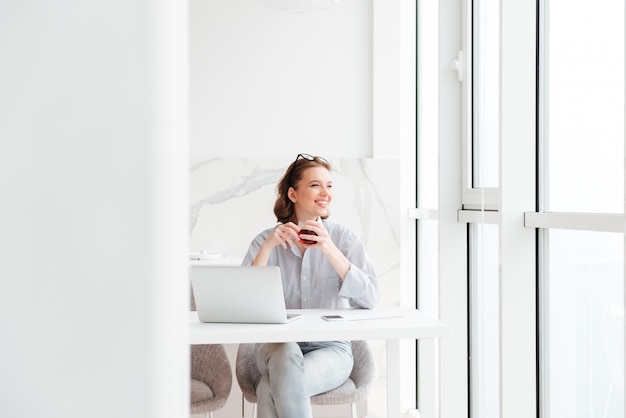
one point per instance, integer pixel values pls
(328, 268)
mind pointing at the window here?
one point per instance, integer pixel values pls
(485, 93)
(582, 153)
(542, 189)
(583, 325)
(583, 96)
(484, 334)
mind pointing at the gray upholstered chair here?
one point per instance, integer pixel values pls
(353, 390)
(211, 377)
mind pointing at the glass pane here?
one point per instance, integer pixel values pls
(583, 319)
(486, 93)
(584, 98)
(484, 321)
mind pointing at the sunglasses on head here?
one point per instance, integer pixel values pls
(310, 157)
(307, 157)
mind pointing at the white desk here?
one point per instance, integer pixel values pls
(410, 324)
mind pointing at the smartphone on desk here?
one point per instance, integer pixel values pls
(332, 318)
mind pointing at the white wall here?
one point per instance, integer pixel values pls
(274, 84)
(93, 209)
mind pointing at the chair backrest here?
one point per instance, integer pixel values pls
(210, 365)
(246, 371)
(363, 369)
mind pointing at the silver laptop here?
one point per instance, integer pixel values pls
(239, 294)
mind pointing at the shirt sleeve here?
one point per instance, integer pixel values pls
(360, 285)
(253, 250)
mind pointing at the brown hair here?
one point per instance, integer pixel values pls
(284, 208)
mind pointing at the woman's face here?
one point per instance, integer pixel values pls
(312, 194)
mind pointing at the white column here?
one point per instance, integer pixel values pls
(517, 188)
(452, 234)
(93, 209)
(393, 130)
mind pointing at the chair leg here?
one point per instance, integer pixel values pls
(353, 407)
(243, 407)
(208, 415)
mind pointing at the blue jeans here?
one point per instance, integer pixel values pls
(293, 372)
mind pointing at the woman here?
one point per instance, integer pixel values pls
(323, 265)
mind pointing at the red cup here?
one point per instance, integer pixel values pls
(307, 232)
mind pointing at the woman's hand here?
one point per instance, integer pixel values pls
(326, 245)
(284, 234)
(312, 234)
